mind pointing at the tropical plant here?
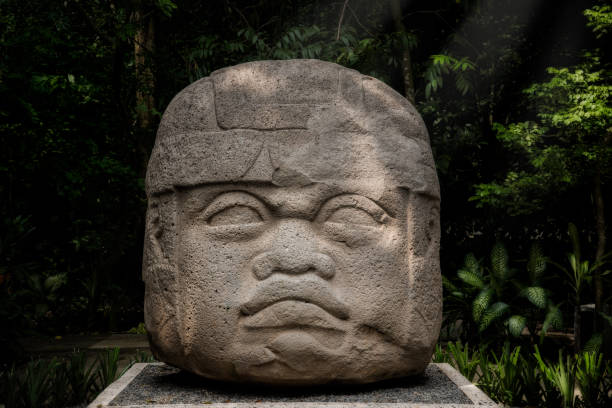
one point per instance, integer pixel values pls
(495, 292)
(463, 359)
(107, 366)
(579, 275)
(80, 377)
(567, 147)
(538, 299)
(37, 386)
(503, 377)
(561, 376)
(440, 355)
(590, 375)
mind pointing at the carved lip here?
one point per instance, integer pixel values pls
(306, 290)
(291, 313)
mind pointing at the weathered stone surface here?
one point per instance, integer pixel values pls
(293, 228)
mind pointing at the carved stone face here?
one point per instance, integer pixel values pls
(292, 255)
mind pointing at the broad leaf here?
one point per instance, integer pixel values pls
(481, 303)
(494, 312)
(471, 263)
(536, 295)
(537, 263)
(516, 324)
(499, 260)
(554, 319)
(471, 278)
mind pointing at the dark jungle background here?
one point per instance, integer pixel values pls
(515, 94)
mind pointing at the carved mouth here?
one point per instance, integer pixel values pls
(305, 290)
(291, 313)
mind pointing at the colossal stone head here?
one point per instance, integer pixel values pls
(292, 231)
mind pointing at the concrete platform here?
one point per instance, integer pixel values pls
(157, 385)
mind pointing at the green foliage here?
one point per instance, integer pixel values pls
(441, 65)
(440, 355)
(590, 374)
(566, 145)
(536, 295)
(579, 275)
(81, 380)
(36, 385)
(515, 377)
(580, 272)
(553, 319)
(61, 382)
(496, 294)
(463, 359)
(561, 375)
(503, 377)
(140, 329)
(516, 324)
(167, 7)
(599, 19)
(107, 367)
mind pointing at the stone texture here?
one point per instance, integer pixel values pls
(292, 231)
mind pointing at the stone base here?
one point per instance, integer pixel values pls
(159, 385)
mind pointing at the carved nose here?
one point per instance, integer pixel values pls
(292, 263)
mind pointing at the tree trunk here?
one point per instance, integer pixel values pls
(577, 327)
(600, 222)
(143, 49)
(407, 75)
(144, 46)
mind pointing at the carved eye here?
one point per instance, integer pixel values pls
(352, 209)
(235, 215)
(235, 209)
(352, 215)
(353, 220)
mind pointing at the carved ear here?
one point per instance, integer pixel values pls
(160, 231)
(160, 310)
(423, 224)
(160, 277)
(424, 310)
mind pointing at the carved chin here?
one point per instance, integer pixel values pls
(312, 356)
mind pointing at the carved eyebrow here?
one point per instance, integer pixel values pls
(355, 201)
(234, 198)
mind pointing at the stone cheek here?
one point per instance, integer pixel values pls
(297, 244)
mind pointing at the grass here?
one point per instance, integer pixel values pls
(60, 382)
(516, 377)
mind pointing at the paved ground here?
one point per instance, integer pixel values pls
(91, 344)
(126, 342)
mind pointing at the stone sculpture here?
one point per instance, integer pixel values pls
(292, 231)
